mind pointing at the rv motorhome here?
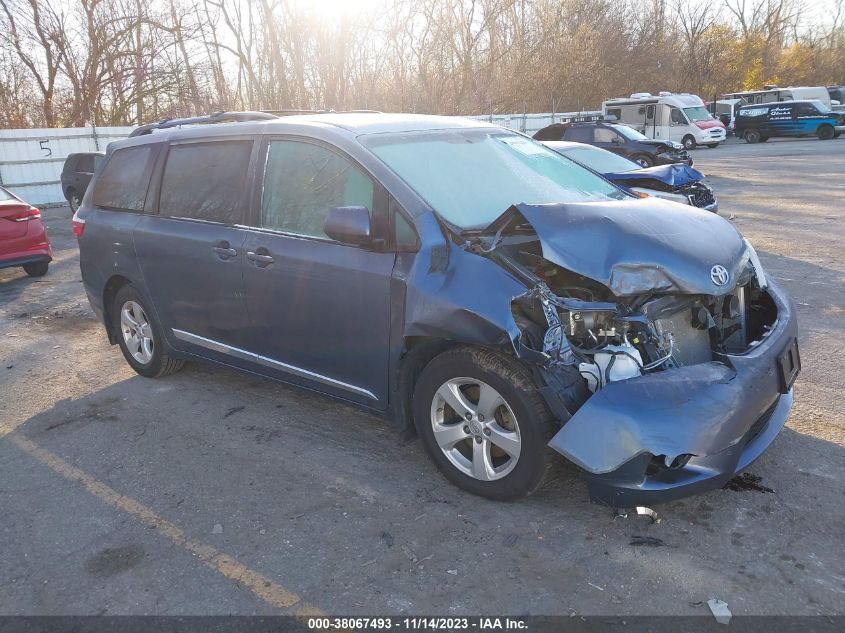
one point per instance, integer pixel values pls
(666, 116)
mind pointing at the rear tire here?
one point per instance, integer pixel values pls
(752, 136)
(763, 138)
(519, 423)
(73, 200)
(140, 336)
(38, 269)
(825, 132)
(689, 142)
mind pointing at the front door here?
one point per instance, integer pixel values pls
(191, 252)
(319, 309)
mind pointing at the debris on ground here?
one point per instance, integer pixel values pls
(650, 541)
(410, 554)
(233, 411)
(720, 611)
(510, 540)
(453, 572)
(622, 513)
(217, 529)
(369, 562)
(388, 539)
(746, 481)
(596, 586)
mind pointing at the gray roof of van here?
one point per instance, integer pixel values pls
(351, 124)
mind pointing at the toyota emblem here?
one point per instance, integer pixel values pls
(719, 275)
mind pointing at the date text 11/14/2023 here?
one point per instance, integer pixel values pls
(417, 624)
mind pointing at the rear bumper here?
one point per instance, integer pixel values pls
(722, 414)
(26, 257)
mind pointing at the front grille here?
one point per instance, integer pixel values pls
(761, 422)
(698, 193)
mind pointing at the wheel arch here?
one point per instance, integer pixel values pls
(110, 290)
(418, 351)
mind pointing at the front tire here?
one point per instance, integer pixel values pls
(825, 132)
(38, 269)
(643, 161)
(689, 142)
(483, 423)
(139, 335)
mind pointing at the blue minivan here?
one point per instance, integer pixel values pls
(758, 122)
(461, 279)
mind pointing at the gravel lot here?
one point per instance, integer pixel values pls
(213, 492)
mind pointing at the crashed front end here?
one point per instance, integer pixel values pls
(683, 353)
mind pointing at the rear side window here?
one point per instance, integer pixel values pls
(205, 181)
(580, 134)
(123, 183)
(303, 181)
(85, 164)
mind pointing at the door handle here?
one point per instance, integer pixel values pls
(260, 258)
(224, 250)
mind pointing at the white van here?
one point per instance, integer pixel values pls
(793, 93)
(666, 116)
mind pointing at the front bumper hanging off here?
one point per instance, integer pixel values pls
(669, 434)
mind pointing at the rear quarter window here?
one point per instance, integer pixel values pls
(123, 183)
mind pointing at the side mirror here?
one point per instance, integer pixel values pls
(349, 225)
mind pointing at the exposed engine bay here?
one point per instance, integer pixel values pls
(574, 321)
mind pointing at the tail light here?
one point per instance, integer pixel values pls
(77, 225)
(30, 214)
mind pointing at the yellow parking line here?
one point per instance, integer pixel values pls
(269, 591)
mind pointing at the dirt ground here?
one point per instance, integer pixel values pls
(213, 492)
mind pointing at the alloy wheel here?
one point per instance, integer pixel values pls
(475, 428)
(137, 332)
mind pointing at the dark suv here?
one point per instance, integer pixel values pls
(619, 139)
(76, 175)
(461, 279)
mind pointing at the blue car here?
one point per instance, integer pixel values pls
(677, 182)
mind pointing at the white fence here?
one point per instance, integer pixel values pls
(531, 123)
(31, 160)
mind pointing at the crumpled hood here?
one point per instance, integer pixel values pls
(638, 246)
(675, 175)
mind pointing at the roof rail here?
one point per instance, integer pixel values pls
(217, 117)
(292, 112)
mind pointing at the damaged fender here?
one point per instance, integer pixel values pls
(460, 296)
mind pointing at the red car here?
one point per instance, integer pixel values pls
(23, 236)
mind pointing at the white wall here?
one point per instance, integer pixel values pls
(530, 123)
(31, 160)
